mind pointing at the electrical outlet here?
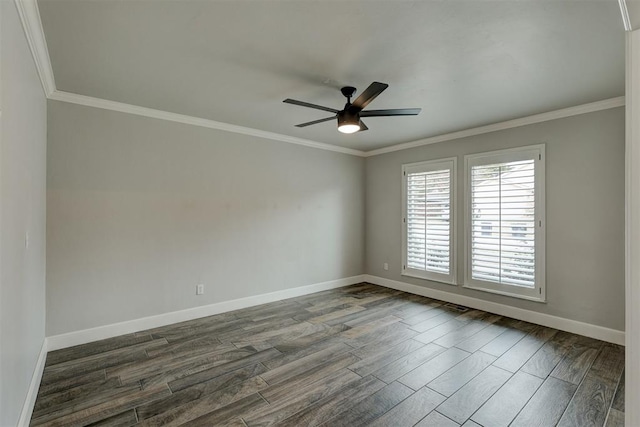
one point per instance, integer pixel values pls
(200, 290)
(385, 266)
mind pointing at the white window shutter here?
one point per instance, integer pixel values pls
(504, 222)
(428, 220)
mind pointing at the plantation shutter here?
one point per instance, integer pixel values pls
(428, 220)
(503, 223)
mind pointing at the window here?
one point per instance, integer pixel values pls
(429, 220)
(505, 222)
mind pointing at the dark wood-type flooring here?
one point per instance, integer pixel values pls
(355, 356)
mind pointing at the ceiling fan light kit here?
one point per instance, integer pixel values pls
(349, 117)
(348, 122)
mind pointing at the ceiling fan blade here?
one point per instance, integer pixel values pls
(363, 126)
(306, 104)
(315, 122)
(374, 89)
(392, 112)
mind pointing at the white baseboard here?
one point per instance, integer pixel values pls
(88, 335)
(568, 325)
(70, 339)
(32, 393)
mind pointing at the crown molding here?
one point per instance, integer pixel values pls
(523, 121)
(626, 21)
(32, 25)
(194, 121)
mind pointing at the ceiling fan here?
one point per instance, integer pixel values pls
(349, 118)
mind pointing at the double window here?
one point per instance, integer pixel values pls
(503, 221)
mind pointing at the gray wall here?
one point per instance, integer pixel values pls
(584, 213)
(22, 210)
(141, 210)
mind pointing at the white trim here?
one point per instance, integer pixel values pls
(439, 279)
(32, 25)
(632, 229)
(523, 121)
(34, 385)
(504, 293)
(450, 163)
(90, 101)
(70, 339)
(573, 326)
(625, 15)
(528, 152)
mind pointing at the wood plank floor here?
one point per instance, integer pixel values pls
(355, 356)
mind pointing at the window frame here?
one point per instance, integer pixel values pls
(536, 153)
(449, 163)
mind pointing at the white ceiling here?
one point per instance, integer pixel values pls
(465, 63)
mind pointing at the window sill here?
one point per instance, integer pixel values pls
(541, 299)
(450, 282)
